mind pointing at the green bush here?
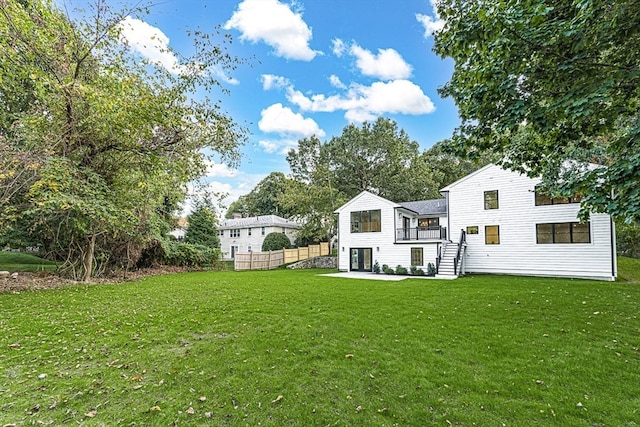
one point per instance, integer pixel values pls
(387, 270)
(417, 271)
(401, 270)
(275, 242)
(376, 268)
(171, 252)
(431, 270)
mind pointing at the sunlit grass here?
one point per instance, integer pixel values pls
(18, 261)
(293, 348)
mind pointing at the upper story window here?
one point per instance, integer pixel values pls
(222, 233)
(491, 199)
(235, 232)
(249, 233)
(564, 232)
(365, 221)
(263, 229)
(428, 222)
(543, 199)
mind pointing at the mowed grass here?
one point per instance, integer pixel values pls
(294, 348)
(18, 261)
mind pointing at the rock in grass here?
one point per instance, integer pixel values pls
(4, 274)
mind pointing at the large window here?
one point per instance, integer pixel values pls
(491, 199)
(417, 256)
(365, 221)
(428, 222)
(235, 232)
(543, 199)
(492, 234)
(563, 232)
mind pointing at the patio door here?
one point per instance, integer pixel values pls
(361, 259)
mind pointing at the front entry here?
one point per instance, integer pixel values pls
(361, 259)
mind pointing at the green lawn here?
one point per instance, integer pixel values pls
(18, 261)
(293, 348)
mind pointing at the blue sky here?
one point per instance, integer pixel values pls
(318, 66)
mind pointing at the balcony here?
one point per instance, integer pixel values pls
(420, 234)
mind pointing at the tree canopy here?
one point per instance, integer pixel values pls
(202, 225)
(97, 146)
(548, 86)
(264, 199)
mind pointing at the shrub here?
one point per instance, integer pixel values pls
(401, 270)
(431, 270)
(275, 242)
(387, 270)
(417, 272)
(376, 268)
(171, 252)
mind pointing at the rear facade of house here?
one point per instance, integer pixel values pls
(491, 221)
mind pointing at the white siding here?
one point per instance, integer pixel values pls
(244, 242)
(517, 216)
(384, 249)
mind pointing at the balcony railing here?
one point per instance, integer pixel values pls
(421, 233)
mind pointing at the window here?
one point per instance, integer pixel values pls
(417, 256)
(565, 232)
(248, 248)
(249, 233)
(284, 230)
(472, 229)
(428, 223)
(492, 234)
(365, 221)
(234, 232)
(491, 199)
(263, 231)
(543, 199)
(222, 233)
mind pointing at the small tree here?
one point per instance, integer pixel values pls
(202, 229)
(275, 242)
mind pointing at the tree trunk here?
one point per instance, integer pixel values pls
(88, 259)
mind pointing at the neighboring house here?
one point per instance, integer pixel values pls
(494, 222)
(246, 234)
(180, 232)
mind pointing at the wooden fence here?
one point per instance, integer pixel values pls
(274, 259)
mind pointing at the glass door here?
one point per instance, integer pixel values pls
(361, 259)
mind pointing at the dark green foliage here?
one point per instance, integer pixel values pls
(387, 270)
(431, 270)
(401, 270)
(376, 267)
(264, 199)
(275, 242)
(628, 239)
(202, 229)
(189, 255)
(417, 271)
(539, 83)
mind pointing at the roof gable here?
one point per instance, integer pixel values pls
(258, 221)
(377, 201)
(467, 177)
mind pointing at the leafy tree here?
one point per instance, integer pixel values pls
(202, 229)
(97, 147)
(628, 239)
(275, 242)
(541, 83)
(264, 198)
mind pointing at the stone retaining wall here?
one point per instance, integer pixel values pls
(316, 262)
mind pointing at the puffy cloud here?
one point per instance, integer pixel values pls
(336, 82)
(339, 47)
(362, 102)
(388, 64)
(432, 24)
(281, 146)
(220, 170)
(282, 120)
(153, 45)
(271, 81)
(275, 24)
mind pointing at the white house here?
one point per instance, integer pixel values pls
(494, 222)
(246, 234)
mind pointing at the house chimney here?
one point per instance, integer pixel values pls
(236, 215)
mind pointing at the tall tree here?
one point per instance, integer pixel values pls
(202, 228)
(548, 85)
(101, 144)
(263, 199)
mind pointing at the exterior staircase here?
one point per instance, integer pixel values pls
(447, 266)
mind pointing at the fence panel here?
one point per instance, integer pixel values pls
(274, 259)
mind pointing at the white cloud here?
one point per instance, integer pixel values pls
(432, 24)
(339, 47)
(220, 170)
(362, 102)
(336, 82)
(153, 45)
(281, 146)
(275, 24)
(388, 64)
(282, 120)
(271, 81)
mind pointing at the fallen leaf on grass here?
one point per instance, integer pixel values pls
(349, 356)
(137, 378)
(383, 410)
(202, 398)
(154, 408)
(278, 399)
(359, 408)
(14, 345)
(91, 414)
(191, 410)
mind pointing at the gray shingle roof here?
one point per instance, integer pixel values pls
(426, 207)
(257, 221)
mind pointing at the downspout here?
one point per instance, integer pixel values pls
(612, 229)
